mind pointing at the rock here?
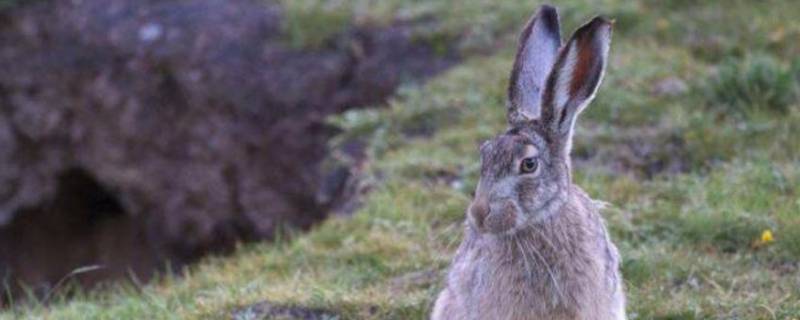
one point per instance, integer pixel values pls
(671, 86)
(195, 120)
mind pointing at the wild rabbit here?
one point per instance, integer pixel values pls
(535, 245)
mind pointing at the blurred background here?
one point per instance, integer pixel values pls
(312, 159)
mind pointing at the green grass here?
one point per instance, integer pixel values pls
(745, 86)
(688, 237)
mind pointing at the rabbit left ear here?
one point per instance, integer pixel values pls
(575, 77)
(538, 47)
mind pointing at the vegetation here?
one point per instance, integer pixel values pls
(758, 82)
(703, 181)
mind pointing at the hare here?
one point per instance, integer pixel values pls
(535, 245)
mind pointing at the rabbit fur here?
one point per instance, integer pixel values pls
(535, 245)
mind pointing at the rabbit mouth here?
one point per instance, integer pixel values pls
(500, 222)
(509, 218)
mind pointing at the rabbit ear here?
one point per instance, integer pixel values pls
(574, 78)
(536, 54)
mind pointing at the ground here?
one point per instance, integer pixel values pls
(692, 141)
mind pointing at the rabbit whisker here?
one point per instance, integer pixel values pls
(549, 270)
(528, 269)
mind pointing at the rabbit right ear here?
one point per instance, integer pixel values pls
(536, 54)
(574, 79)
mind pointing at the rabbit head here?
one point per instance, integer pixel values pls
(525, 172)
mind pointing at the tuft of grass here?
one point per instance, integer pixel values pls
(756, 83)
(310, 24)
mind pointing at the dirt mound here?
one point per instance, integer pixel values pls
(138, 132)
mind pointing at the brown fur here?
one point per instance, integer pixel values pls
(564, 267)
(535, 245)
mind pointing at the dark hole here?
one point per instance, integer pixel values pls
(83, 224)
(79, 191)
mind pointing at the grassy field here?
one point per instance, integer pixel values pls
(694, 141)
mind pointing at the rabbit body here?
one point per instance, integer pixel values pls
(563, 267)
(535, 244)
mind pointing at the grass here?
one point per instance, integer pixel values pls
(757, 82)
(689, 237)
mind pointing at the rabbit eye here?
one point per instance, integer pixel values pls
(528, 165)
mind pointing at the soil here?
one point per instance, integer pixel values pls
(140, 134)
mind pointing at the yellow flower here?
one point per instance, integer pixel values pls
(765, 239)
(766, 236)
